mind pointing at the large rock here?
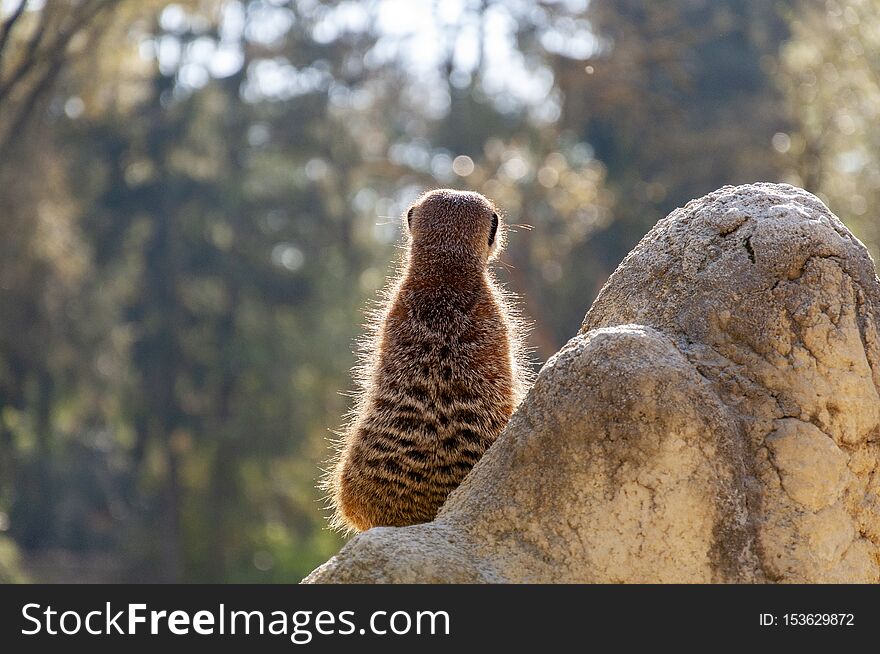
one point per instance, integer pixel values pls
(717, 419)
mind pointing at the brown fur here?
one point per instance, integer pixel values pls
(441, 376)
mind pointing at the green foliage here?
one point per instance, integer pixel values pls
(830, 73)
(10, 564)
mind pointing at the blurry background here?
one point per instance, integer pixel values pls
(197, 198)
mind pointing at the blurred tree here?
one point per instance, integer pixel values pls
(42, 263)
(36, 43)
(10, 569)
(206, 195)
(676, 100)
(830, 72)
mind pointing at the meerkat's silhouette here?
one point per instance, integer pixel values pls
(441, 375)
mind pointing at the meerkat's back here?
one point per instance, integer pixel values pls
(441, 379)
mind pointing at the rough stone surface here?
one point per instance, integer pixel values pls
(716, 419)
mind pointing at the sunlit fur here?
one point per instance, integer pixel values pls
(441, 371)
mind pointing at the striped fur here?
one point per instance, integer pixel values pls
(441, 375)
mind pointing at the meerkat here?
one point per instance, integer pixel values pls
(441, 375)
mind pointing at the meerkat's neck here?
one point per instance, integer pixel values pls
(448, 270)
(449, 259)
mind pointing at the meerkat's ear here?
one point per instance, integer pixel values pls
(497, 236)
(409, 215)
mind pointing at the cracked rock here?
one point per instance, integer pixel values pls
(716, 419)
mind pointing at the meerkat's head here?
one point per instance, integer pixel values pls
(465, 222)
